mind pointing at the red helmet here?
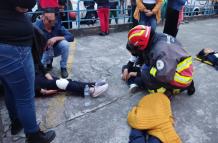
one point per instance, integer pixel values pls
(139, 36)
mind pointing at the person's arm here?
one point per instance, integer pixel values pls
(67, 35)
(157, 6)
(48, 92)
(141, 6)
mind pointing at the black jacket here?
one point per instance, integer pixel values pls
(15, 27)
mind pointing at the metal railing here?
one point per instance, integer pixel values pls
(191, 10)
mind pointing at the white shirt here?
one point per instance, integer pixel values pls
(149, 1)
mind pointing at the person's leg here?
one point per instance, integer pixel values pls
(76, 86)
(95, 89)
(16, 125)
(42, 82)
(115, 16)
(143, 19)
(134, 21)
(62, 48)
(136, 136)
(153, 22)
(17, 72)
(129, 13)
(111, 16)
(46, 59)
(102, 20)
(171, 23)
(106, 18)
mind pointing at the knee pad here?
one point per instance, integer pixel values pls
(62, 83)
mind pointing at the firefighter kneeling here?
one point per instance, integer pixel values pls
(167, 66)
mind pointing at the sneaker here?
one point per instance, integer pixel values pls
(133, 88)
(64, 73)
(98, 90)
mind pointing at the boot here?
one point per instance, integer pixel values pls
(16, 127)
(40, 137)
(191, 89)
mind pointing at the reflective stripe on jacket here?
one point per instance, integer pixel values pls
(169, 62)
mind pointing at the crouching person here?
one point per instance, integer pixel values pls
(168, 67)
(58, 41)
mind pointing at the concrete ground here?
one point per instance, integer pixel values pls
(105, 120)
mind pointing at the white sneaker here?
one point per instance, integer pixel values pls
(133, 88)
(98, 90)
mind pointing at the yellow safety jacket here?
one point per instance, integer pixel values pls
(169, 64)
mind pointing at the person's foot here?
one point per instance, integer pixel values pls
(40, 137)
(64, 73)
(191, 89)
(98, 90)
(133, 88)
(107, 33)
(16, 127)
(102, 34)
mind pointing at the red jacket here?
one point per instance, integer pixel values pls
(48, 3)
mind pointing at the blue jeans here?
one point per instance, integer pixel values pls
(17, 75)
(140, 136)
(148, 21)
(62, 48)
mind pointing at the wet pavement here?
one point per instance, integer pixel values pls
(105, 120)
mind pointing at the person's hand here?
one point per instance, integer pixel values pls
(147, 10)
(150, 13)
(48, 76)
(21, 10)
(125, 74)
(51, 41)
(48, 92)
(132, 74)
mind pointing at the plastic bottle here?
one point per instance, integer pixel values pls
(87, 96)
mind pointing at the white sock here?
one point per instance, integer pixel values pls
(62, 83)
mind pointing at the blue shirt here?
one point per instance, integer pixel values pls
(57, 30)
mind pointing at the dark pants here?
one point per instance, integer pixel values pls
(73, 86)
(140, 136)
(213, 59)
(134, 80)
(171, 23)
(113, 13)
(134, 21)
